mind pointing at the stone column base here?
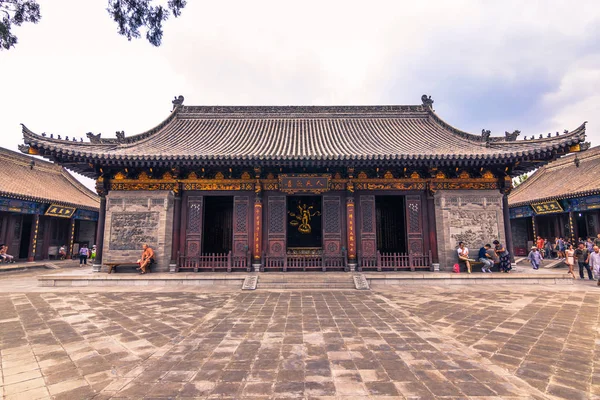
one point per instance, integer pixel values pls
(352, 266)
(96, 267)
(172, 267)
(256, 267)
(436, 267)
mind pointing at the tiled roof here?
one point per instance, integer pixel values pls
(42, 181)
(193, 134)
(561, 179)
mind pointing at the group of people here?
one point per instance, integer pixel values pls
(4, 256)
(84, 253)
(586, 255)
(487, 255)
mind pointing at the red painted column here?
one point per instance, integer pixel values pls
(351, 230)
(257, 241)
(35, 224)
(176, 232)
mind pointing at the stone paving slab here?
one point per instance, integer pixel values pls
(506, 342)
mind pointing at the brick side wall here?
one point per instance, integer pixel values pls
(134, 218)
(474, 217)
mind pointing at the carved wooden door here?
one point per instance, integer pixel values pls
(414, 224)
(332, 226)
(368, 242)
(193, 237)
(241, 215)
(277, 218)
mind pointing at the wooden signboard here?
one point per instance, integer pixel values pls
(547, 207)
(60, 211)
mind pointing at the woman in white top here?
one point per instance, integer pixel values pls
(571, 260)
(463, 256)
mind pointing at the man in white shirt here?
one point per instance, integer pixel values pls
(594, 262)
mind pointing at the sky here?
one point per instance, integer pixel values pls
(532, 66)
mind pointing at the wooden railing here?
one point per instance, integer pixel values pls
(394, 262)
(305, 262)
(214, 262)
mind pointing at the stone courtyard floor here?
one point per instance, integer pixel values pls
(461, 342)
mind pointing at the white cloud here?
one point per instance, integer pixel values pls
(501, 65)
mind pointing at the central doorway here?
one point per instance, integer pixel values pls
(304, 222)
(218, 224)
(391, 224)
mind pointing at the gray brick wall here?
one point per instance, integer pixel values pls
(134, 218)
(474, 217)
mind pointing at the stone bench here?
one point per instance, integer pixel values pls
(132, 264)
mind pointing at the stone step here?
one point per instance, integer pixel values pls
(304, 285)
(282, 281)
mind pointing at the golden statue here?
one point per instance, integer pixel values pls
(303, 218)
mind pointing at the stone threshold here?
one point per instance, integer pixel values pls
(289, 278)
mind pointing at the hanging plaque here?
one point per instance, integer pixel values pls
(547, 207)
(304, 183)
(60, 211)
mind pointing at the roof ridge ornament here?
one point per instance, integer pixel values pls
(120, 136)
(485, 136)
(94, 138)
(511, 137)
(177, 101)
(427, 101)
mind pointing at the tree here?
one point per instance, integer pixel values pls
(131, 16)
(15, 12)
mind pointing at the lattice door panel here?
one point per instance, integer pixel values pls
(414, 223)
(276, 225)
(241, 215)
(194, 223)
(368, 243)
(332, 227)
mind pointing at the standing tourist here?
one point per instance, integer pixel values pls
(570, 253)
(547, 249)
(581, 254)
(504, 256)
(594, 260)
(463, 256)
(93, 255)
(485, 258)
(597, 240)
(540, 242)
(560, 247)
(83, 255)
(589, 243)
(535, 257)
(147, 258)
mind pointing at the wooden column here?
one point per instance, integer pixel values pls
(507, 229)
(176, 232)
(71, 237)
(572, 228)
(35, 224)
(257, 234)
(432, 228)
(351, 231)
(100, 235)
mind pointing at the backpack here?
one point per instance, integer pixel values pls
(456, 269)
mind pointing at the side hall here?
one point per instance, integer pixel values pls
(43, 208)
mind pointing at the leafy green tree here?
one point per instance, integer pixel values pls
(131, 16)
(15, 12)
